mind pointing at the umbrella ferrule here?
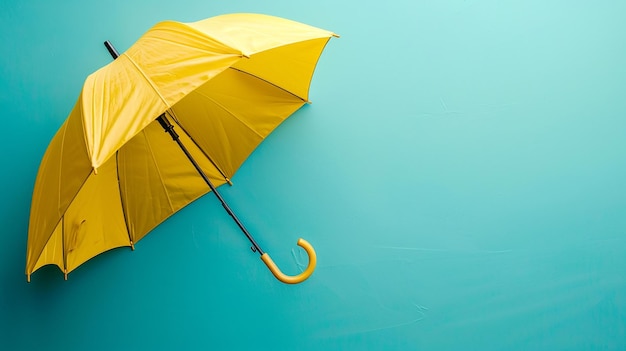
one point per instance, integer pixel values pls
(111, 49)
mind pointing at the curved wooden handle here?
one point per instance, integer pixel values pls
(288, 279)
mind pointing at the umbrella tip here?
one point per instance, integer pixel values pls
(336, 35)
(229, 181)
(65, 274)
(28, 278)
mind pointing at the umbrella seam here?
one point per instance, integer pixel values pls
(270, 83)
(205, 153)
(122, 202)
(61, 165)
(63, 244)
(167, 195)
(145, 76)
(228, 111)
(62, 220)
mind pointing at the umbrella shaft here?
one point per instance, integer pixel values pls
(169, 128)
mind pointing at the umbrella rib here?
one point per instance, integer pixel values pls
(270, 83)
(119, 184)
(63, 245)
(169, 201)
(173, 115)
(229, 112)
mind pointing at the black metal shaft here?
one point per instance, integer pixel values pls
(169, 128)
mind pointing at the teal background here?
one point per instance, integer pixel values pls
(460, 173)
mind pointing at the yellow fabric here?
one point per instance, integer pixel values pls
(111, 174)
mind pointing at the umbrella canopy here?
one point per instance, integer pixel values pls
(110, 174)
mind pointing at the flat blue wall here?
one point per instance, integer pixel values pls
(460, 173)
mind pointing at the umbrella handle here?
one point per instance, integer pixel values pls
(287, 279)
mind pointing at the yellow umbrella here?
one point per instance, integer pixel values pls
(111, 174)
